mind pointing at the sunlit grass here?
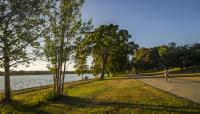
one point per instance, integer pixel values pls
(113, 95)
(177, 72)
(161, 71)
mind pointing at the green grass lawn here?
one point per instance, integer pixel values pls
(113, 95)
(176, 72)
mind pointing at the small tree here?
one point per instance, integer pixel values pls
(65, 27)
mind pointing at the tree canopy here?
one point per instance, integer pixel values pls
(167, 56)
(65, 27)
(109, 47)
(22, 22)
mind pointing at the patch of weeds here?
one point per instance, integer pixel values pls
(44, 97)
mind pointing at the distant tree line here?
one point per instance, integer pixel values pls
(166, 56)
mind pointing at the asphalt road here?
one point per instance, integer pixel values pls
(187, 87)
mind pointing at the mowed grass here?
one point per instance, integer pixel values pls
(113, 95)
(176, 72)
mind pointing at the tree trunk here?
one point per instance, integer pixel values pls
(54, 83)
(63, 78)
(6, 51)
(7, 79)
(61, 61)
(103, 69)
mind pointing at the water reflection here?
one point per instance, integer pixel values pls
(28, 81)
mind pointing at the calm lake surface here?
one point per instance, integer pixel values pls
(27, 81)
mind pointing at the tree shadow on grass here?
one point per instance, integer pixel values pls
(66, 102)
(19, 107)
(91, 103)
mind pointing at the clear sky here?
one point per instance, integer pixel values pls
(150, 22)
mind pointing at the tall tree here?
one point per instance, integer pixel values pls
(118, 61)
(101, 40)
(154, 58)
(109, 48)
(22, 22)
(164, 51)
(65, 28)
(142, 59)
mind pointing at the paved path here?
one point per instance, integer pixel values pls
(187, 87)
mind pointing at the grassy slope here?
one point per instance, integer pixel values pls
(111, 95)
(177, 72)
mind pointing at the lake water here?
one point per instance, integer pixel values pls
(28, 81)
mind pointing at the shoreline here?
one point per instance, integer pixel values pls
(43, 87)
(37, 74)
(97, 96)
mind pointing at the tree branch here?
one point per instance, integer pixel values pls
(22, 61)
(24, 46)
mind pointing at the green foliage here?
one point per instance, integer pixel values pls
(118, 60)
(22, 23)
(155, 58)
(167, 56)
(164, 52)
(81, 50)
(142, 59)
(109, 47)
(65, 27)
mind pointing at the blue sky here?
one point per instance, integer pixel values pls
(150, 22)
